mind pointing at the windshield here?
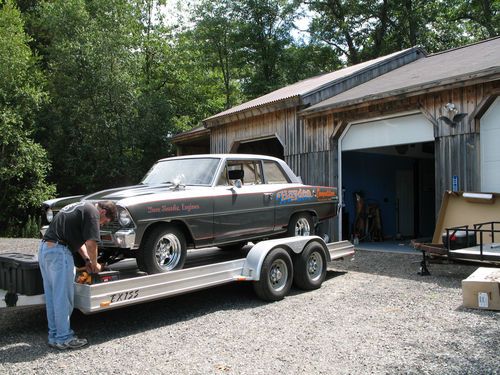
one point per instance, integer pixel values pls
(194, 171)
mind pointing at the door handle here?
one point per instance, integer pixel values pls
(268, 196)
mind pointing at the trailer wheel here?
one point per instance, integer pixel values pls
(310, 267)
(301, 225)
(276, 276)
(164, 250)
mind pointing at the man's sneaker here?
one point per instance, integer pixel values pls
(53, 345)
(74, 343)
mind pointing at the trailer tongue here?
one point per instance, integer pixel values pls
(271, 265)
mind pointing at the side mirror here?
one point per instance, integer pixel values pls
(238, 184)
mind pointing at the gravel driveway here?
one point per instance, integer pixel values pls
(374, 315)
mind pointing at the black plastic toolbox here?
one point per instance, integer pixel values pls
(20, 273)
(459, 239)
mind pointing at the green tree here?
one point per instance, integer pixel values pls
(216, 37)
(122, 83)
(362, 30)
(23, 163)
(264, 36)
(94, 65)
(302, 61)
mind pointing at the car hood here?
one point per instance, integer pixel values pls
(119, 194)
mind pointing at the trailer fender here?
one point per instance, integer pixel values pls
(253, 263)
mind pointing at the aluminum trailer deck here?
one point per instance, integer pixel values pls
(271, 265)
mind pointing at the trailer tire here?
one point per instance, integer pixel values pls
(276, 276)
(300, 224)
(310, 267)
(164, 250)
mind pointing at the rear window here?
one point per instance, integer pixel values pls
(274, 174)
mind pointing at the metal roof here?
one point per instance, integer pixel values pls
(460, 64)
(306, 86)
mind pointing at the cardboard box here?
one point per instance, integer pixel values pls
(481, 290)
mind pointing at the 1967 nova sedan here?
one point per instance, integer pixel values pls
(205, 200)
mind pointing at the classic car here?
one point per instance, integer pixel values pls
(223, 200)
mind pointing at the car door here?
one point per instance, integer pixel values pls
(243, 211)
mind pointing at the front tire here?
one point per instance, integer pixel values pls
(300, 225)
(310, 267)
(164, 250)
(276, 276)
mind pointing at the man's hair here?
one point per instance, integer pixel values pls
(110, 208)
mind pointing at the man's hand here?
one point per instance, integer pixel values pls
(92, 267)
(96, 268)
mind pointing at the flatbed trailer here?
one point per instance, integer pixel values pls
(271, 266)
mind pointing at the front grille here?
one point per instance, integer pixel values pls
(112, 226)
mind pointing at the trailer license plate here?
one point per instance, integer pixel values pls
(124, 296)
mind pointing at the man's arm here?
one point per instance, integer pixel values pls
(89, 250)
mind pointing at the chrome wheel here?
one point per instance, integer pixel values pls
(278, 275)
(315, 266)
(168, 251)
(302, 227)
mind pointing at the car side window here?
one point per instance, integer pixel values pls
(274, 174)
(248, 171)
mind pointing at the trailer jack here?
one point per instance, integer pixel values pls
(424, 271)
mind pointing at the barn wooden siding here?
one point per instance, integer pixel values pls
(280, 124)
(310, 144)
(457, 149)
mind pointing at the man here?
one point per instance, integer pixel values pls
(75, 229)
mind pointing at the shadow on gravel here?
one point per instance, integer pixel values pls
(406, 266)
(23, 332)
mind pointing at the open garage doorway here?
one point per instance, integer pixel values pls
(388, 179)
(267, 146)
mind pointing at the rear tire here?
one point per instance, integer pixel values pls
(301, 224)
(276, 276)
(164, 250)
(310, 267)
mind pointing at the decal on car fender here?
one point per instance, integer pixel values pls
(183, 207)
(326, 194)
(294, 195)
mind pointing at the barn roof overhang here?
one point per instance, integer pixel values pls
(312, 90)
(458, 67)
(290, 102)
(487, 75)
(200, 133)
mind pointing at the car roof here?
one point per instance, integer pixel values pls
(224, 156)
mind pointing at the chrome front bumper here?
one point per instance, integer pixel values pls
(123, 238)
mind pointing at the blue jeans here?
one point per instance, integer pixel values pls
(58, 273)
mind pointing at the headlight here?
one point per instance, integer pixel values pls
(124, 218)
(49, 215)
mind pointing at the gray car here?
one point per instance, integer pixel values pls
(197, 201)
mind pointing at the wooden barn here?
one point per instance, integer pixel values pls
(394, 133)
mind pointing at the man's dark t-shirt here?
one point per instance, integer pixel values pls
(75, 224)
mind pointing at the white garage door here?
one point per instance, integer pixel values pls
(392, 131)
(490, 152)
(388, 132)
